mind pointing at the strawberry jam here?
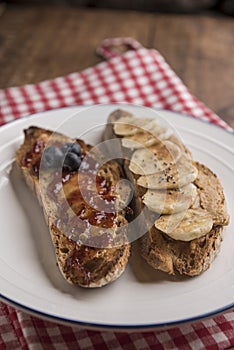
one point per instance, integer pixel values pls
(87, 200)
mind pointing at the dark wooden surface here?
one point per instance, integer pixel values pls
(41, 42)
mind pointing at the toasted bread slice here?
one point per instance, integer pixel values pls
(193, 257)
(89, 251)
(162, 252)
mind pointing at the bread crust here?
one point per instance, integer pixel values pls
(185, 258)
(82, 265)
(211, 195)
(174, 256)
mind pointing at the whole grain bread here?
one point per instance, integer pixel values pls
(97, 260)
(211, 195)
(193, 257)
(157, 248)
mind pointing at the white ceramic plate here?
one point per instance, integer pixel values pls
(142, 298)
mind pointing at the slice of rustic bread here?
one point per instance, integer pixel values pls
(186, 258)
(211, 194)
(100, 256)
(193, 257)
(158, 249)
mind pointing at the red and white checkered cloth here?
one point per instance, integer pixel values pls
(139, 76)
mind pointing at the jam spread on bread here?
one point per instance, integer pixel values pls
(88, 199)
(34, 154)
(79, 196)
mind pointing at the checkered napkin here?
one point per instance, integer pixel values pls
(139, 76)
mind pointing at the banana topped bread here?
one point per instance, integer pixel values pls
(182, 200)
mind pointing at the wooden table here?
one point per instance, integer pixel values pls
(41, 42)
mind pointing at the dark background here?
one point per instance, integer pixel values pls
(168, 6)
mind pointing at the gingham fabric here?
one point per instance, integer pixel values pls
(139, 76)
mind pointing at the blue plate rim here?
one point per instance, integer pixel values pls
(102, 326)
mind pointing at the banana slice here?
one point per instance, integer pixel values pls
(186, 226)
(157, 129)
(130, 125)
(172, 201)
(140, 140)
(176, 139)
(125, 193)
(176, 176)
(145, 138)
(147, 161)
